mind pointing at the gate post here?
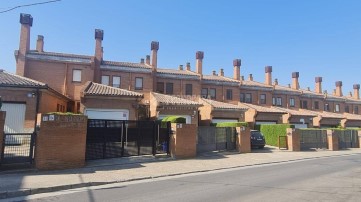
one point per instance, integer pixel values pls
(243, 139)
(183, 140)
(359, 138)
(332, 140)
(293, 139)
(2, 141)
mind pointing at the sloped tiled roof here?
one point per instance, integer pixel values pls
(286, 89)
(296, 112)
(334, 97)
(352, 116)
(9, 79)
(92, 88)
(126, 64)
(309, 93)
(261, 108)
(33, 54)
(173, 100)
(255, 84)
(176, 71)
(219, 78)
(325, 114)
(222, 105)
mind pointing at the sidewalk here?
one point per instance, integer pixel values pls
(128, 169)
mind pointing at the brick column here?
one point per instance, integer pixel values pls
(2, 123)
(359, 138)
(61, 142)
(183, 140)
(293, 139)
(243, 139)
(332, 140)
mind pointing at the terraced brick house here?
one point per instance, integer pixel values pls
(142, 90)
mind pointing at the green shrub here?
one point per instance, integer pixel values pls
(230, 124)
(172, 119)
(272, 131)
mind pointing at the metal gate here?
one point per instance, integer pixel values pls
(216, 139)
(313, 139)
(17, 148)
(347, 138)
(115, 138)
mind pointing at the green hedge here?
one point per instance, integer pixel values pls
(230, 124)
(272, 131)
(172, 119)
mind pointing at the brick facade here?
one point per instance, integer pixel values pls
(60, 144)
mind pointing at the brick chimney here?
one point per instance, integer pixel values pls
(295, 84)
(180, 67)
(141, 60)
(154, 47)
(99, 35)
(339, 88)
(236, 69)
(250, 77)
(356, 91)
(147, 59)
(318, 85)
(214, 73)
(242, 78)
(199, 62)
(221, 72)
(188, 66)
(275, 82)
(26, 21)
(268, 76)
(40, 43)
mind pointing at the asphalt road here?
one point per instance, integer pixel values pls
(323, 179)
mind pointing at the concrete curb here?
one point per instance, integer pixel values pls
(26, 192)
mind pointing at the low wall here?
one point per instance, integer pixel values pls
(2, 123)
(183, 140)
(293, 139)
(243, 139)
(61, 142)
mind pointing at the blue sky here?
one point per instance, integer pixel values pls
(313, 37)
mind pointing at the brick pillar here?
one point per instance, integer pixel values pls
(359, 138)
(183, 140)
(61, 142)
(2, 123)
(243, 139)
(293, 139)
(332, 140)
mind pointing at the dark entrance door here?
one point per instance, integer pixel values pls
(112, 138)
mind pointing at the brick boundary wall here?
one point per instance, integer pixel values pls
(243, 139)
(61, 142)
(2, 123)
(332, 140)
(183, 141)
(293, 139)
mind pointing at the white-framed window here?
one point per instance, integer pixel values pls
(116, 81)
(279, 101)
(105, 80)
(292, 102)
(337, 108)
(139, 83)
(76, 75)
